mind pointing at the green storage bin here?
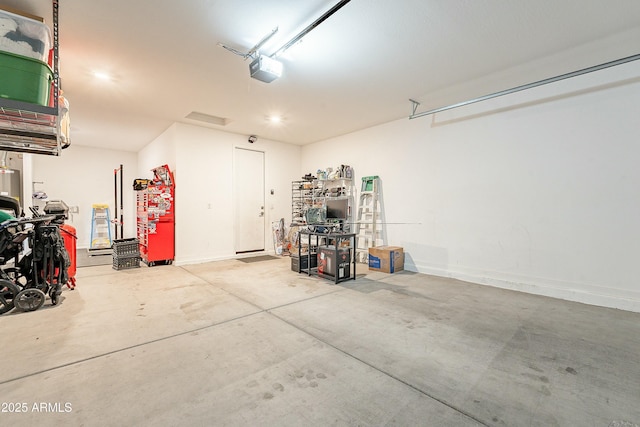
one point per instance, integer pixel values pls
(24, 79)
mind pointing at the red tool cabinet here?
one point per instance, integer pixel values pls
(155, 218)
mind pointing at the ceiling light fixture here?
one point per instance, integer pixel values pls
(262, 67)
(266, 68)
(310, 27)
(101, 75)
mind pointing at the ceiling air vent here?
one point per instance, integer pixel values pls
(207, 118)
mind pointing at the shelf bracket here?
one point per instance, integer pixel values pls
(415, 104)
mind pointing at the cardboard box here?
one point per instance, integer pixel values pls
(387, 259)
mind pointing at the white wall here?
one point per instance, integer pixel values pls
(82, 176)
(204, 196)
(161, 151)
(202, 161)
(535, 191)
(13, 161)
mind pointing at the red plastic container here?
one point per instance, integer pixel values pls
(69, 236)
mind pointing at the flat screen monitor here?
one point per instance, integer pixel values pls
(337, 208)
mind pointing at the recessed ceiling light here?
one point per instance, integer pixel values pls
(275, 119)
(101, 75)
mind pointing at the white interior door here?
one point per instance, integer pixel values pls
(249, 196)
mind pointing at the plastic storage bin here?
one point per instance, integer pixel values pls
(126, 254)
(125, 263)
(24, 79)
(126, 247)
(24, 36)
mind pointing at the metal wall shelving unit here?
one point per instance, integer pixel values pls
(28, 128)
(297, 202)
(32, 128)
(306, 194)
(340, 189)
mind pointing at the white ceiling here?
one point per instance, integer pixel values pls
(357, 69)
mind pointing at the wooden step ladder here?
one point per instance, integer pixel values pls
(368, 225)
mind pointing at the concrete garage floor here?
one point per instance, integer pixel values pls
(255, 344)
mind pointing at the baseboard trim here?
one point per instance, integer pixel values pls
(582, 293)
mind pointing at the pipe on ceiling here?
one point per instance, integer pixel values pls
(310, 27)
(526, 86)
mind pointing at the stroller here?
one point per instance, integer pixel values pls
(28, 275)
